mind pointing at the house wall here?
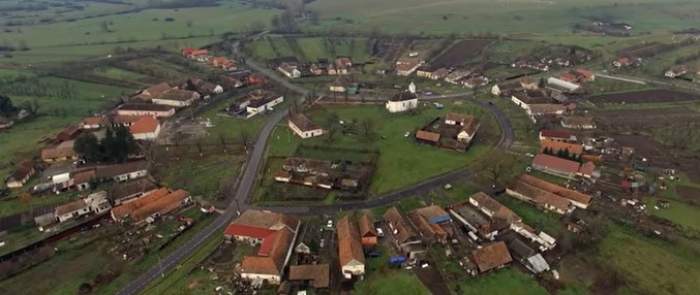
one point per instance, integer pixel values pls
(353, 268)
(157, 114)
(271, 279)
(74, 214)
(149, 135)
(401, 106)
(254, 111)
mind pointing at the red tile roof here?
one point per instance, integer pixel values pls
(491, 256)
(555, 163)
(556, 146)
(247, 231)
(145, 124)
(559, 134)
(349, 245)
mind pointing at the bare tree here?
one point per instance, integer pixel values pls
(497, 167)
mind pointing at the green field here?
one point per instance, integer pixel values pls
(310, 48)
(480, 16)
(398, 164)
(391, 283)
(650, 265)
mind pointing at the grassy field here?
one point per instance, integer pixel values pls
(477, 16)
(85, 36)
(398, 163)
(502, 282)
(391, 283)
(651, 266)
(310, 48)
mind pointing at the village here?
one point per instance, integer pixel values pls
(435, 166)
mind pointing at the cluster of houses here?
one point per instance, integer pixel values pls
(414, 63)
(467, 77)
(292, 68)
(493, 236)
(134, 198)
(546, 100)
(454, 131)
(547, 196)
(202, 55)
(561, 155)
(330, 175)
(683, 71)
(256, 102)
(625, 61)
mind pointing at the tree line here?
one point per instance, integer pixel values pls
(115, 147)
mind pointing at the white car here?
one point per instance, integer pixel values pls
(329, 224)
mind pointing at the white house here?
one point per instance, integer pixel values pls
(403, 101)
(303, 126)
(262, 105)
(289, 70)
(145, 128)
(559, 83)
(98, 202)
(71, 210)
(146, 109)
(177, 98)
(350, 253)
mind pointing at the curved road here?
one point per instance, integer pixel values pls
(247, 179)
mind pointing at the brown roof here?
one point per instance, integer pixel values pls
(540, 196)
(145, 107)
(159, 201)
(349, 244)
(125, 190)
(491, 256)
(177, 95)
(405, 231)
(578, 120)
(428, 136)
(23, 170)
(70, 207)
(461, 118)
(266, 219)
(547, 108)
(84, 176)
(555, 163)
(109, 171)
(145, 124)
(562, 134)
(499, 211)
(366, 225)
(63, 150)
(158, 89)
(556, 189)
(273, 263)
(555, 146)
(95, 120)
(318, 274)
(427, 230)
(303, 122)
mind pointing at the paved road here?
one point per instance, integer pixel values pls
(240, 198)
(246, 183)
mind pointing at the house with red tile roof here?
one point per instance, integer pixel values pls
(368, 233)
(554, 147)
(492, 256)
(350, 252)
(152, 205)
(557, 135)
(145, 128)
(562, 167)
(578, 199)
(524, 190)
(275, 233)
(303, 126)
